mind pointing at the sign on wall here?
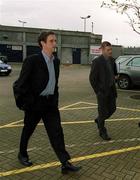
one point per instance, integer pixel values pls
(17, 48)
(95, 50)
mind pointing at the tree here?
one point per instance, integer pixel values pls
(129, 7)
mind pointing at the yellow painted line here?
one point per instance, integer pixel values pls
(88, 103)
(78, 108)
(64, 107)
(129, 109)
(123, 119)
(77, 122)
(92, 121)
(29, 169)
(15, 122)
(68, 108)
(77, 159)
(122, 108)
(128, 90)
(103, 154)
(93, 107)
(10, 124)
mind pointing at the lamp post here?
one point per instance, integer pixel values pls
(117, 41)
(23, 22)
(23, 39)
(85, 18)
(92, 26)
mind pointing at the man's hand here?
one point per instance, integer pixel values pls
(117, 77)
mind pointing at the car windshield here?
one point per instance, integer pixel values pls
(122, 59)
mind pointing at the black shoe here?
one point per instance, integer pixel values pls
(105, 136)
(24, 160)
(139, 124)
(68, 167)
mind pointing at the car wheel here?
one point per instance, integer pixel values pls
(124, 82)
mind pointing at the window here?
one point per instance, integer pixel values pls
(136, 62)
(122, 59)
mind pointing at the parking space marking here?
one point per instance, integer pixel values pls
(15, 122)
(122, 108)
(79, 108)
(81, 158)
(133, 91)
(76, 159)
(68, 108)
(16, 150)
(88, 103)
(76, 122)
(10, 124)
(76, 145)
(64, 107)
(129, 109)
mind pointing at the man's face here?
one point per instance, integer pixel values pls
(50, 43)
(107, 51)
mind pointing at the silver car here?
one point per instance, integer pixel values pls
(128, 68)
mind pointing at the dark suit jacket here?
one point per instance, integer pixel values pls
(32, 80)
(114, 66)
(99, 76)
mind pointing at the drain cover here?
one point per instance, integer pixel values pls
(136, 96)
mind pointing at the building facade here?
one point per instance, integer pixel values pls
(73, 47)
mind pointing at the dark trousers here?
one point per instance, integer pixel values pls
(106, 107)
(51, 120)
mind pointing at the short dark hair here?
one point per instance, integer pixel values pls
(43, 36)
(105, 44)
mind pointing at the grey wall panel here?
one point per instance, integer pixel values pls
(66, 56)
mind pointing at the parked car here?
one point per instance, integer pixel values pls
(5, 69)
(128, 68)
(3, 58)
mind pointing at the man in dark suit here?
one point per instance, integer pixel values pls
(102, 79)
(36, 93)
